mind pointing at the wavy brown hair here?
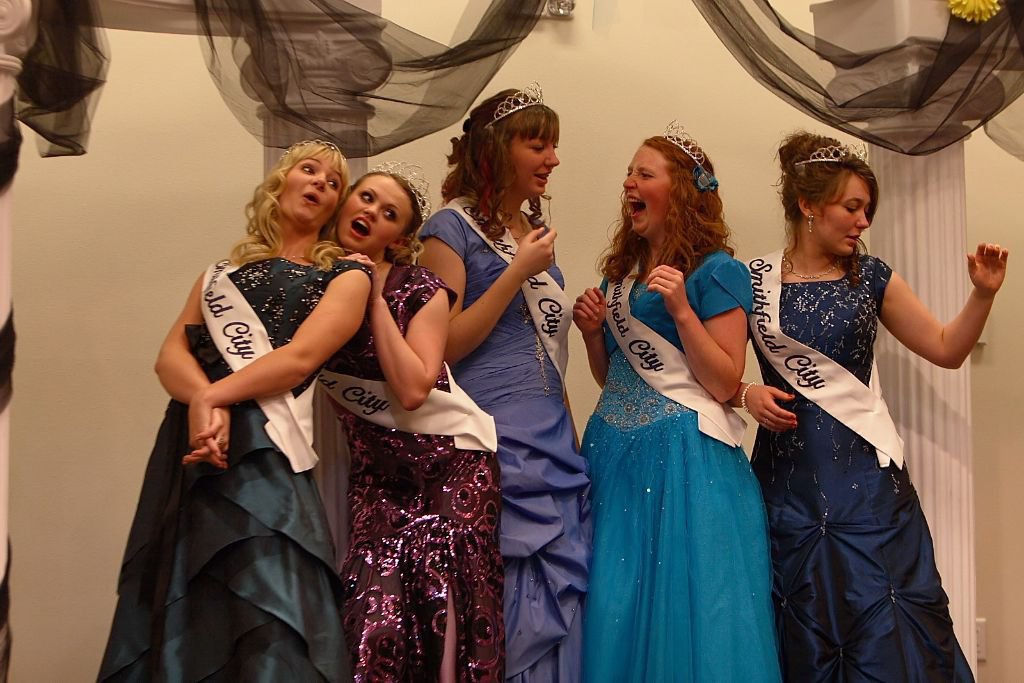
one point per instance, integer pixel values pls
(820, 183)
(481, 169)
(410, 246)
(263, 234)
(694, 224)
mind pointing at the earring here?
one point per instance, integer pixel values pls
(810, 222)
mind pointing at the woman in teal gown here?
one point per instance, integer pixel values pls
(680, 583)
(228, 574)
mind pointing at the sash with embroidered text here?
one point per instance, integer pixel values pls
(452, 413)
(241, 338)
(665, 368)
(548, 305)
(816, 376)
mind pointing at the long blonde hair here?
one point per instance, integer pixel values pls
(263, 234)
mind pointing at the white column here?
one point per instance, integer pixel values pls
(921, 231)
(16, 34)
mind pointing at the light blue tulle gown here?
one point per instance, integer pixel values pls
(680, 582)
(545, 525)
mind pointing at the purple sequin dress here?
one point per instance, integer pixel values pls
(424, 522)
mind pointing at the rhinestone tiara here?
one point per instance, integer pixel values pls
(675, 134)
(325, 143)
(413, 175)
(834, 154)
(702, 179)
(530, 96)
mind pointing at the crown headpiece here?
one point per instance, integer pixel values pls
(702, 179)
(530, 96)
(412, 174)
(834, 154)
(325, 143)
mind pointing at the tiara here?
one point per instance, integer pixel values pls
(834, 154)
(413, 176)
(702, 179)
(530, 96)
(325, 143)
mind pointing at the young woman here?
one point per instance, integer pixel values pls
(857, 594)
(229, 570)
(680, 585)
(423, 577)
(508, 345)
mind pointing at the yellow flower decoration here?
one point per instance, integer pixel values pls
(974, 10)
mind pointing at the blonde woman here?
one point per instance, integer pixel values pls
(229, 569)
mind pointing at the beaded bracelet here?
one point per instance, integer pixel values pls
(743, 397)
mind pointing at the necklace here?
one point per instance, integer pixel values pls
(789, 269)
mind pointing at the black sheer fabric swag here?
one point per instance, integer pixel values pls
(916, 97)
(288, 69)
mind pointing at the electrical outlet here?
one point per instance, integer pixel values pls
(981, 638)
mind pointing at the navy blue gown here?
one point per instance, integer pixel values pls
(857, 594)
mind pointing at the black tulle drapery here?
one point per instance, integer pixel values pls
(916, 97)
(288, 69)
(292, 69)
(62, 75)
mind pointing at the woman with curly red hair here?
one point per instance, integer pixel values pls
(680, 583)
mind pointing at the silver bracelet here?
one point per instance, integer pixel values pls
(743, 397)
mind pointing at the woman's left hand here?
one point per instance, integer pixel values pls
(987, 268)
(670, 283)
(208, 426)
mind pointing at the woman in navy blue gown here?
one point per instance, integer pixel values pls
(857, 593)
(501, 354)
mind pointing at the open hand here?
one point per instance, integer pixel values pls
(987, 268)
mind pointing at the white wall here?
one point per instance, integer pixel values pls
(107, 245)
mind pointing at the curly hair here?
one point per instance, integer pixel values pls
(694, 224)
(263, 233)
(410, 246)
(481, 169)
(820, 183)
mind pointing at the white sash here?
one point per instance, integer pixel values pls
(816, 376)
(241, 338)
(665, 368)
(548, 305)
(448, 413)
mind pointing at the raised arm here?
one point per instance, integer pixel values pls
(948, 345)
(470, 326)
(331, 324)
(411, 363)
(588, 315)
(716, 347)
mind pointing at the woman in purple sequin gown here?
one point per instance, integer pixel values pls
(423, 578)
(502, 160)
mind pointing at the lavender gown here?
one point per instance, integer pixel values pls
(545, 519)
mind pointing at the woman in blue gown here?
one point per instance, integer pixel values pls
(229, 571)
(680, 584)
(857, 593)
(502, 160)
